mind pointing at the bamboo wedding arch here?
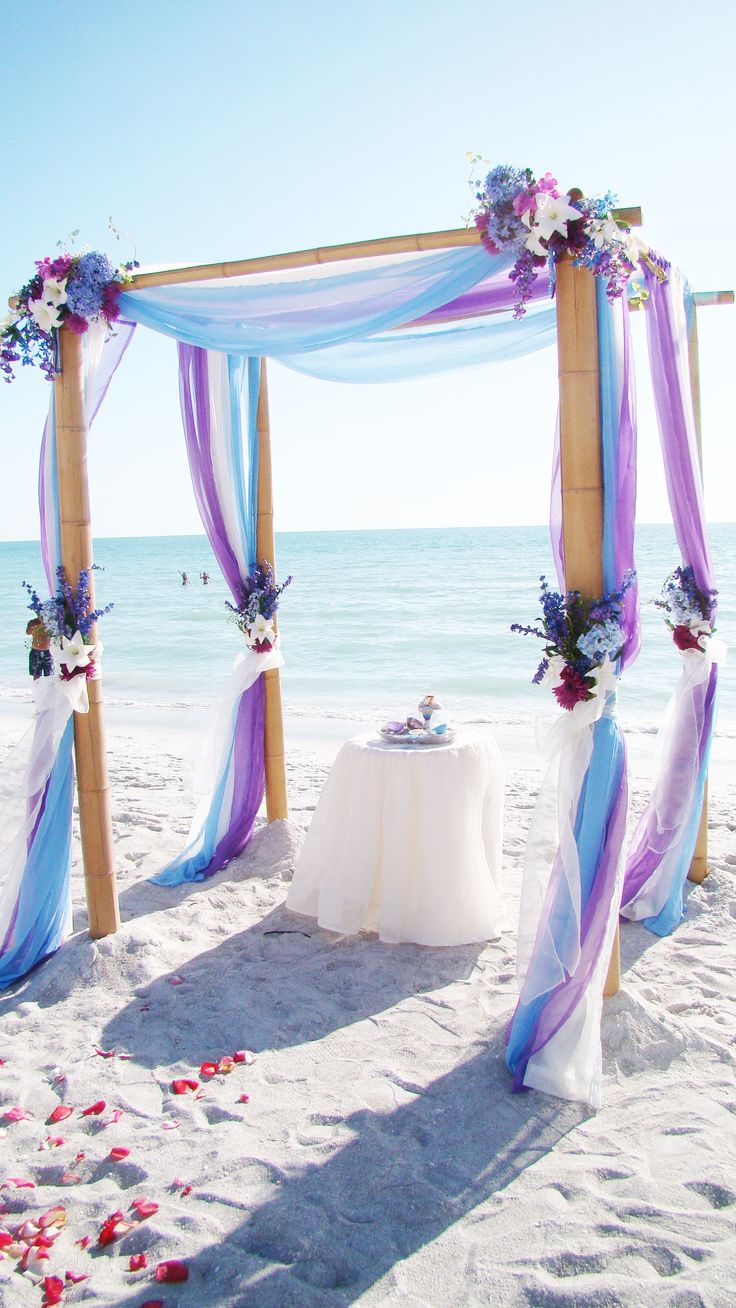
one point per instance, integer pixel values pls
(582, 512)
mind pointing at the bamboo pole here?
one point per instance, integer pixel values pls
(580, 456)
(420, 241)
(76, 554)
(276, 797)
(699, 863)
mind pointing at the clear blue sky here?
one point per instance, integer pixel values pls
(223, 130)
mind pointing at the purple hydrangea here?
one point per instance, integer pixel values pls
(85, 289)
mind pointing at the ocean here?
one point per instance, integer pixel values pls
(372, 621)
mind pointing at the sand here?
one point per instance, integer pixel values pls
(380, 1158)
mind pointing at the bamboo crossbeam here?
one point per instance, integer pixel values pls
(420, 241)
(273, 745)
(581, 470)
(76, 554)
(703, 299)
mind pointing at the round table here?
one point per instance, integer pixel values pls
(406, 841)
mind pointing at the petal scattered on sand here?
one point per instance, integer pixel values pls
(137, 1262)
(118, 1153)
(172, 1270)
(94, 1109)
(182, 1084)
(145, 1207)
(17, 1115)
(60, 1113)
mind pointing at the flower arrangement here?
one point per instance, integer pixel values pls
(531, 217)
(72, 290)
(257, 602)
(583, 638)
(689, 611)
(68, 618)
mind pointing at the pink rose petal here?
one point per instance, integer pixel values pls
(244, 1056)
(85, 1242)
(118, 1153)
(18, 1182)
(54, 1141)
(244, 1099)
(145, 1207)
(176, 980)
(69, 1178)
(170, 1126)
(53, 1288)
(114, 1117)
(55, 1216)
(17, 1115)
(76, 1277)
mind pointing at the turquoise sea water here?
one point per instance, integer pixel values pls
(372, 621)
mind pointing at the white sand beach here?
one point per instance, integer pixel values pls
(380, 1157)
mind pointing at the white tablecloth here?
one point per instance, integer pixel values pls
(407, 842)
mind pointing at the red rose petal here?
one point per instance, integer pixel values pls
(105, 1053)
(118, 1154)
(208, 1069)
(244, 1056)
(183, 1084)
(97, 1107)
(153, 1303)
(145, 1207)
(172, 1270)
(85, 1242)
(76, 1277)
(60, 1113)
(53, 1288)
(244, 1099)
(137, 1262)
(187, 1190)
(78, 1158)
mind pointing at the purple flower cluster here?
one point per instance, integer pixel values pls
(70, 609)
(258, 593)
(567, 622)
(684, 602)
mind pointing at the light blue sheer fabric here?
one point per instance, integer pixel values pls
(292, 315)
(419, 351)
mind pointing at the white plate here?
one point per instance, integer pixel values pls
(417, 737)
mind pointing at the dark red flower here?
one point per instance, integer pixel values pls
(574, 688)
(76, 323)
(684, 638)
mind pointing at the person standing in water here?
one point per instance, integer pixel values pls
(205, 578)
(40, 659)
(184, 578)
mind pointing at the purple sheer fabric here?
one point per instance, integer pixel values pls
(195, 407)
(666, 335)
(667, 821)
(493, 295)
(625, 495)
(247, 766)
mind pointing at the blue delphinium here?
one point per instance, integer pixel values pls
(257, 594)
(68, 611)
(502, 185)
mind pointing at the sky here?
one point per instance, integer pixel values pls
(239, 128)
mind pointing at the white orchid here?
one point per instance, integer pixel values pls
(54, 291)
(46, 316)
(533, 243)
(553, 214)
(72, 651)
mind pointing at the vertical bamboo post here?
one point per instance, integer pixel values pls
(699, 865)
(580, 455)
(76, 553)
(276, 799)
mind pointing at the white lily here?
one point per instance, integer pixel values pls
(603, 232)
(634, 248)
(553, 675)
(54, 291)
(604, 675)
(72, 651)
(553, 214)
(533, 242)
(262, 629)
(46, 316)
